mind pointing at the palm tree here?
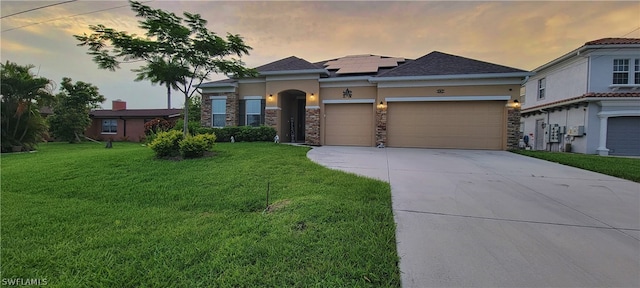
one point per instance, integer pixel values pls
(163, 72)
(22, 94)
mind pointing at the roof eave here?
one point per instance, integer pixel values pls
(345, 78)
(289, 72)
(573, 101)
(580, 50)
(452, 77)
(218, 85)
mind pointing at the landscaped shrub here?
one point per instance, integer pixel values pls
(167, 143)
(193, 146)
(240, 134)
(155, 126)
(210, 138)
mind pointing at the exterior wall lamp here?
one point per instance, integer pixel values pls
(270, 96)
(381, 105)
(514, 104)
(311, 96)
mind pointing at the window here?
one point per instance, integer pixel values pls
(637, 74)
(109, 126)
(252, 109)
(542, 84)
(218, 112)
(620, 71)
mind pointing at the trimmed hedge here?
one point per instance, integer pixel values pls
(240, 134)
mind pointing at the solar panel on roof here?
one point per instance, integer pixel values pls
(361, 64)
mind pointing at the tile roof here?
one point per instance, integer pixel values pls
(438, 63)
(611, 41)
(585, 97)
(135, 113)
(287, 64)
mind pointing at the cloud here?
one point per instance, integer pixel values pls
(519, 34)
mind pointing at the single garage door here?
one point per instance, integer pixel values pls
(623, 135)
(460, 125)
(349, 124)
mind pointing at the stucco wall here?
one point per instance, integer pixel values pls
(252, 89)
(512, 90)
(565, 81)
(336, 93)
(602, 67)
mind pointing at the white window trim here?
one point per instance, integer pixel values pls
(629, 71)
(108, 133)
(213, 114)
(246, 111)
(542, 89)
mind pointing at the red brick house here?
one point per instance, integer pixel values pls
(122, 124)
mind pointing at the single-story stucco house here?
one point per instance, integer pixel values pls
(436, 101)
(122, 124)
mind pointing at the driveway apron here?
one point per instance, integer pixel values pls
(474, 218)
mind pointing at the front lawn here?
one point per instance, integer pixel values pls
(626, 168)
(84, 216)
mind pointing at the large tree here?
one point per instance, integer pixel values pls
(71, 113)
(23, 94)
(185, 44)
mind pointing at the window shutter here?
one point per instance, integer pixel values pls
(263, 105)
(242, 114)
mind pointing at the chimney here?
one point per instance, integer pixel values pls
(117, 105)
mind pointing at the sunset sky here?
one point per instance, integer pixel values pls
(518, 34)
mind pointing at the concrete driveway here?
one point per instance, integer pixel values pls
(497, 219)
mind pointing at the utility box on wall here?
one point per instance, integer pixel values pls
(576, 131)
(554, 137)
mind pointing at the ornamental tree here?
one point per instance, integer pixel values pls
(184, 45)
(71, 113)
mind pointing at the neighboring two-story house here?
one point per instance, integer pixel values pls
(586, 101)
(436, 101)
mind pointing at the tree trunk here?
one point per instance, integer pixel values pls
(186, 115)
(26, 126)
(168, 95)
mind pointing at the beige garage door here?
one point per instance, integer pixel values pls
(349, 124)
(461, 125)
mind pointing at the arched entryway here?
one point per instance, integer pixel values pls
(292, 121)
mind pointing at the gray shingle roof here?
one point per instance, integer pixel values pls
(287, 64)
(148, 113)
(438, 63)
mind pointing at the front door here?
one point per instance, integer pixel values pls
(301, 120)
(539, 135)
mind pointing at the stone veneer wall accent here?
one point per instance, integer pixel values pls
(312, 126)
(513, 128)
(381, 126)
(205, 110)
(271, 117)
(232, 109)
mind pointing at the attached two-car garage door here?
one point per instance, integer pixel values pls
(447, 124)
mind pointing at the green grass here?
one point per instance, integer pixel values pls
(84, 216)
(626, 168)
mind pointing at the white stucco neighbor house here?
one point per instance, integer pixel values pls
(586, 101)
